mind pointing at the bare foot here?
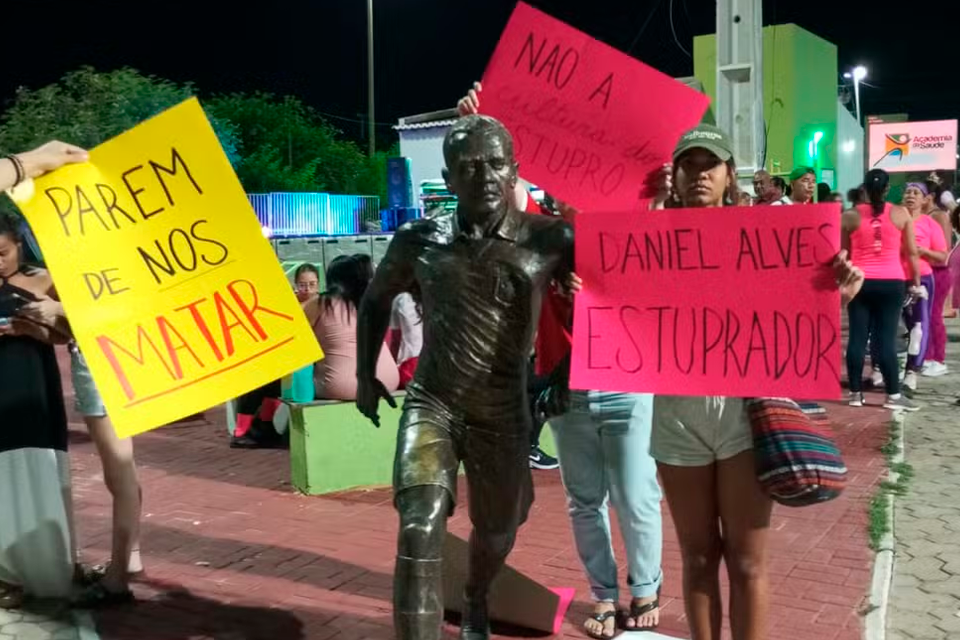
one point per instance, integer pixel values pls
(644, 613)
(603, 624)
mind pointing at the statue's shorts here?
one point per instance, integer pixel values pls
(432, 442)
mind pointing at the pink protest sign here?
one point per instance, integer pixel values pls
(589, 122)
(738, 301)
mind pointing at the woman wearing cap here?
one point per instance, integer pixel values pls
(932, 249)
(703, 445)
(803, 184)
(878, 236)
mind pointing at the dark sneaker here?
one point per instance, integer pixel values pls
(901, 404)
(243, 442)
(540, 460)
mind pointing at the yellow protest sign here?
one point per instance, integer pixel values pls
(175, 297)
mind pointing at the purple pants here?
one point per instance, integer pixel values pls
(937, 348)
(920, 312)
(954, 265)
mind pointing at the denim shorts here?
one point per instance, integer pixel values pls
(87, 398)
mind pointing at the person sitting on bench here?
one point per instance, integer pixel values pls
(333, 316)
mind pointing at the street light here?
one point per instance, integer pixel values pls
(859, 73)
(371, 128)
(813, 146)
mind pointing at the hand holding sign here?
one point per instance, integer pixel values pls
(50, 156)
(589, 122)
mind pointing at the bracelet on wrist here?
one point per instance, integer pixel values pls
(17, 167)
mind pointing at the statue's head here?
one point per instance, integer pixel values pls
(481, 169)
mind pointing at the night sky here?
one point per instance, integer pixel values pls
(428, 51)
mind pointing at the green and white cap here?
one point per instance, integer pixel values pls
(705, 136)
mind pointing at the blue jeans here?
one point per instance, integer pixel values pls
(603, 443)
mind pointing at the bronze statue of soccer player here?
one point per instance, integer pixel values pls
(480, 276)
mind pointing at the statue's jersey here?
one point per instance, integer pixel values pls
(481, 300)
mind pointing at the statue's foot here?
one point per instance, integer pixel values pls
(469, 632)
(476, 623)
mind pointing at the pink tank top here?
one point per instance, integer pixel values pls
(929, 235)
(875, 245)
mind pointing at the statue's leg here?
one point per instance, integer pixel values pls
(425, 476)
(501, 492)
(418, 576)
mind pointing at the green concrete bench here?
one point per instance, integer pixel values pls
(333, 447)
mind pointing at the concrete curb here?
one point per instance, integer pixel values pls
(875, 622)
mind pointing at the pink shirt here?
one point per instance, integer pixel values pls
(335, 376)
(875, 246)
(929, 235)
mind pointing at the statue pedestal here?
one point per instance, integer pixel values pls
(515, 599)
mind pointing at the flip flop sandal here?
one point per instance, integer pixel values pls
(97, 596)
(602, 619)
(641, 610)
(96, 573)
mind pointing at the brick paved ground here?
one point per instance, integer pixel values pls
(925, 599)
(232, 553)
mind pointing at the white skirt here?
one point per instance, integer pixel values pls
(36, 541)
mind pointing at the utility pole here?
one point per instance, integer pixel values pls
(740, 80)
(370, 118)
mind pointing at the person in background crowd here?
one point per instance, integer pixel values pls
(932, 250)
(37, 541)
(769, 189)
(949, 204)
(876, 235)
(803, 184)
(333, 316)
(761, 185)
(935, 364)
(603, 446)
(255, 413)
(835, 197)
(256, 409)
(780, 188)
(744, 199)
(406, 324)
(306, 280)
(856, 196)
(823, 192)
